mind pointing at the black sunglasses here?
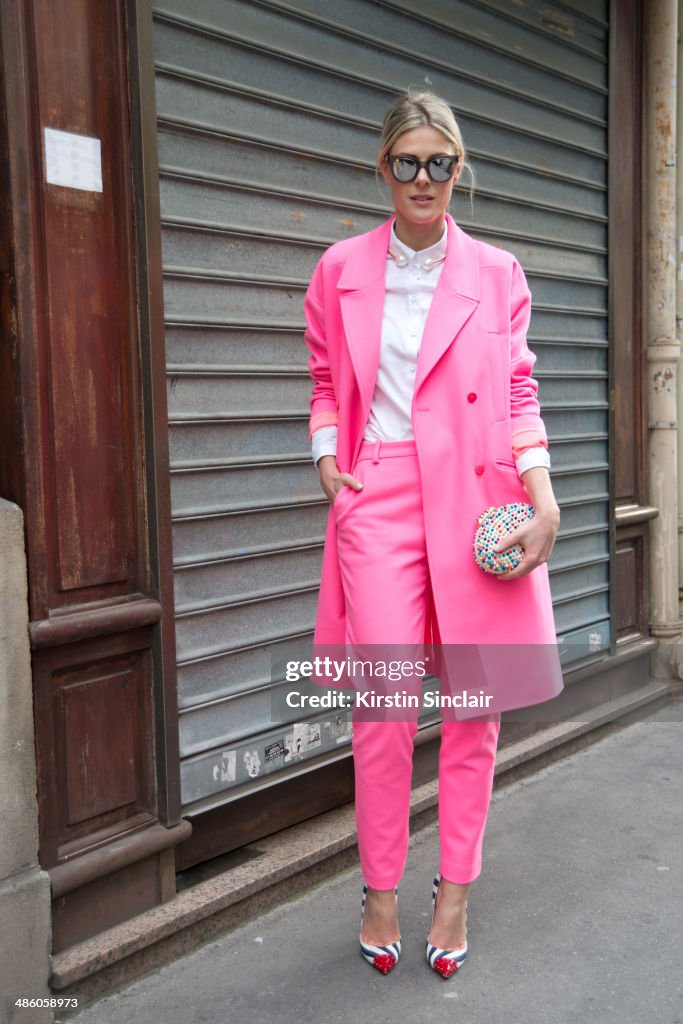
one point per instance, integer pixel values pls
(407, 168)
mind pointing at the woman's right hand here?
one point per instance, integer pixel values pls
(332, 481)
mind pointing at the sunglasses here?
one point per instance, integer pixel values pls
(407, 168)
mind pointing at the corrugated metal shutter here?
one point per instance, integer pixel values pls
(268, 123)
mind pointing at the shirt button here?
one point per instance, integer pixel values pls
(479, 469)
(472, 397)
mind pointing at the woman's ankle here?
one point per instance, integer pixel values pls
(453, 892)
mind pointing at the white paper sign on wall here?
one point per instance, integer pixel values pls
(74, 161)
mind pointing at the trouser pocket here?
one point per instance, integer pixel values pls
(348, 497)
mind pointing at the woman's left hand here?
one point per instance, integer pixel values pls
(537, 537)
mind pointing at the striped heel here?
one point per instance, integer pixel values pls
(383, 958)
(444, 961)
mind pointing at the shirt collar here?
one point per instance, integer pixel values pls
(403, 255)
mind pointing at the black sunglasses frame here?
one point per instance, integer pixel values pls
(419, 164)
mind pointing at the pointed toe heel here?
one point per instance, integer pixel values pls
(382, 958)
(444, 962)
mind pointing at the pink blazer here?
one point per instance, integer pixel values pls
(473, 393)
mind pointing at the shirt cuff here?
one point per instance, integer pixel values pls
(532, 457)
(324, 443)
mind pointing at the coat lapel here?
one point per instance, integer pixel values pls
(362, 289)
(455, 299)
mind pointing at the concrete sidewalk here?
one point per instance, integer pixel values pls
(577, 916)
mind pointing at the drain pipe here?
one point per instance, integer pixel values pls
(663, 348)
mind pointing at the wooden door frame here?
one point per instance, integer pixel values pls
(629, 509)
(103, 651)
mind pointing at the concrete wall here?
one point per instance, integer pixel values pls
(24, 888)
(663, 349)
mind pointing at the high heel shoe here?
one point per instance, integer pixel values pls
(384, 958)
(444, 961)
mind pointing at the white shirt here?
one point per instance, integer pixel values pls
(411, 279)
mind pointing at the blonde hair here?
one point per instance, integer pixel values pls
(418, 110)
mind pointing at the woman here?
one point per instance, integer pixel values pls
(423, 414)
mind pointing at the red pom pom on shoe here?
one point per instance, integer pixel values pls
(446, 967)
(384, 963)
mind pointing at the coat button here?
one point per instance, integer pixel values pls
(472, 397)
(479, 469)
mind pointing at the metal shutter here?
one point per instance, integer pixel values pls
(268, 124)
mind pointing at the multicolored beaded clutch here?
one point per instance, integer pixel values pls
(493, 524)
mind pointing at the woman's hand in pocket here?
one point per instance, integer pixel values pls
(332, 481)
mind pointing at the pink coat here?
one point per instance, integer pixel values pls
(473, 388)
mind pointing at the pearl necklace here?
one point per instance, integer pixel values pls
(401, 260)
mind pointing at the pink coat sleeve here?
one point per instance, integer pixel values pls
(323, 402)
(528, 429)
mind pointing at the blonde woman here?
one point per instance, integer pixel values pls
(424, 413)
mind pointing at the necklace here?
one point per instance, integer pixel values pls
(401, 260)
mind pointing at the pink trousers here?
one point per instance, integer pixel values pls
(385, 573)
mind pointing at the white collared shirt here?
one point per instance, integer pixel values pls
(411, 279)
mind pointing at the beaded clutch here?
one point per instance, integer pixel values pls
(493, 524)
